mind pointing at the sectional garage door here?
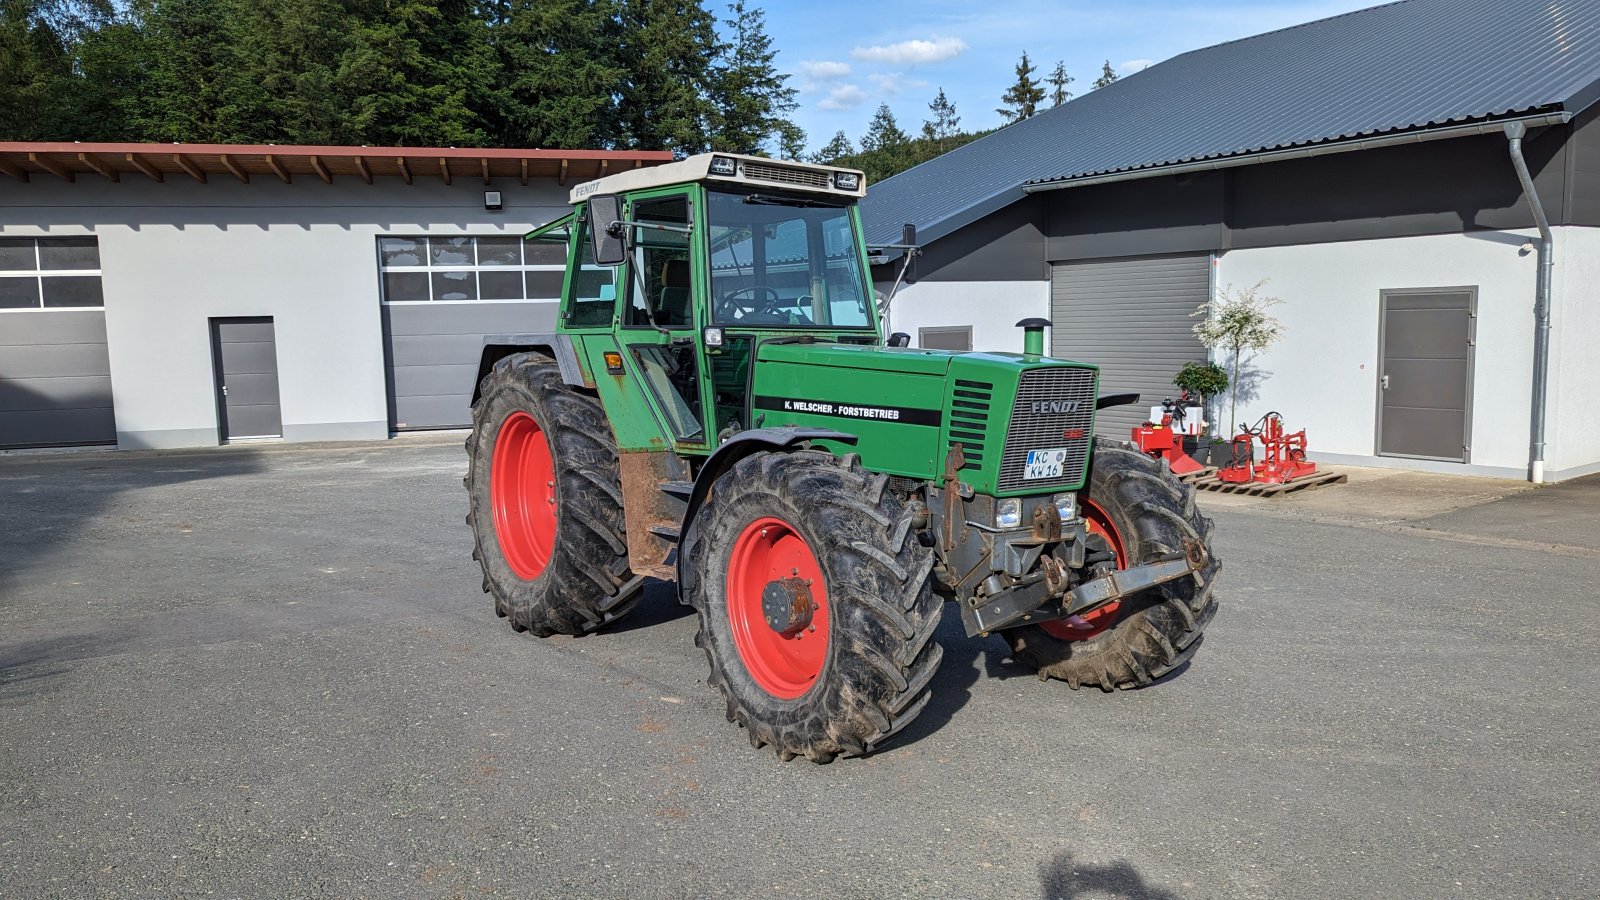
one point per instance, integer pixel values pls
(433, 352)
(55, 379)
(1131, 318)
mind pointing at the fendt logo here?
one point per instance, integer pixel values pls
(1041, 407)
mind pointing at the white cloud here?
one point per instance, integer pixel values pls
(911, 52)
(845, 96)
(824, 69)
(894, 83)
(1134, 65)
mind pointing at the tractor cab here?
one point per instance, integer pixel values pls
(682, 269)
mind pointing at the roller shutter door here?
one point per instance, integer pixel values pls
(433, 351)
(55, 379)
(1131, 318)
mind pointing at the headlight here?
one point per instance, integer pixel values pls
(713, 336)
(722, 165)
(846, 181)
(1008, 512)
(1066, 507)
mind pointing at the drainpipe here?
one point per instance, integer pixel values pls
(1541, 301)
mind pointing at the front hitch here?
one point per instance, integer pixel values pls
(1032, 601)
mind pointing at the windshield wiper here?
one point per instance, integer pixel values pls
(770, 200)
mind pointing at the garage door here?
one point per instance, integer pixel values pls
(55, 376)
(1131, 318)
(441, 295)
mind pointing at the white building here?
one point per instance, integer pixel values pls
(178, 295)
(1359, 166)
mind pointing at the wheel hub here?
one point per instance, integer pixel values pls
(787, 605)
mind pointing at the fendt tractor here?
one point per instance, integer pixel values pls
(718, 407)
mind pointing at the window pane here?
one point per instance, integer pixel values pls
(456, 251)
(402, 252)
(73, 290)
(405, 286)
(16, 255)
(497, 251)
(545, 285)
(500, 285)
(455, 286)
(546, 253)
(68, 253)
(19, 293)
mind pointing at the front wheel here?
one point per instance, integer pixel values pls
(816, 613)
(1136, 512)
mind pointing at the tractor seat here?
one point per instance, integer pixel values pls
(673, 310)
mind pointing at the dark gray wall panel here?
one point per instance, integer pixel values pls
(433, 351)
(55, 382)
(1131, 318)
(1137, 218)
(1583, 170)
(1006, 246)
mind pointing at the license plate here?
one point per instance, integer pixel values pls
(1045, 463)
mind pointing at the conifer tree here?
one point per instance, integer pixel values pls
(835, 149)
(1022, 98)
(749, 96)
(1107, 75)
(1058, 81)
(943, 126)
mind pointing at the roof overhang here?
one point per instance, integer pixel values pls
(730, 168)
(1415, 136)
(111, 161)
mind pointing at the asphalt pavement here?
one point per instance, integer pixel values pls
(270, 672)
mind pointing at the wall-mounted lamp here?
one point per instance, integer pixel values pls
(491, 199)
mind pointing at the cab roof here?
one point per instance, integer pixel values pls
(729, 168)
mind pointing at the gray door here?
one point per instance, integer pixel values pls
(1425, 383)
(1131, 318)
(55, 379)
(246, 366)
(433, 351)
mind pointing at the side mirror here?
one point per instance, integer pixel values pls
(908, 234)
(899, 339)
(605, 230)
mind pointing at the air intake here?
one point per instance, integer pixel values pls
(969, 418)
(785, 175)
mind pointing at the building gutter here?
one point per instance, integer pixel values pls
(1328, 149)
(1515, 131)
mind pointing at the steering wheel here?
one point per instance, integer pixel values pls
(763, 301)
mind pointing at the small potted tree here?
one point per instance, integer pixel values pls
(1203, 381)
(1232, 323)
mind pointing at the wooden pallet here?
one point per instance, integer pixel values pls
(1193, 477)
(1255, 489)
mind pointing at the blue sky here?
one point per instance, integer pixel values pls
(847, 56)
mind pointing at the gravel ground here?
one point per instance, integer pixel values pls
(270, 672)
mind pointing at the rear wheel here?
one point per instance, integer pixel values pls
(816, 613)
(546, 502)
(1135, 512)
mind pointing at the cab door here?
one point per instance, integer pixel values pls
(658, 317)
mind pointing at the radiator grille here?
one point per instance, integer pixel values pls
(785, 175)
(969, 417)
(1031, 430)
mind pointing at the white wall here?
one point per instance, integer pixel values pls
(1572, 413)
(1322, 374)
(992, 308)
(177, 253)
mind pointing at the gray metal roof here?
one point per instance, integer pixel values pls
(1415, 64)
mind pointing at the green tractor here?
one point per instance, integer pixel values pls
(718, 407)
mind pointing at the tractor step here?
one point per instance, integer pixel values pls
(679, 489)
(670, 532)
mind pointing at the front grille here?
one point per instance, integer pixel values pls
(785, 175)
(1046, 430)
(969, 417)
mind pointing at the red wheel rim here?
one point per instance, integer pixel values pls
(522, 492)
(785, 666)
(1096, 522)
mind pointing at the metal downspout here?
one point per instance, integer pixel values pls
(1541, 302)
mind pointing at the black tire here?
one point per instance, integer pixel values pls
(880, 656)
(1156, 630)
(586, 582)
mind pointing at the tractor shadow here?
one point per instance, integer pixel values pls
(1063, 879)
(658, 606)
(966, 660)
